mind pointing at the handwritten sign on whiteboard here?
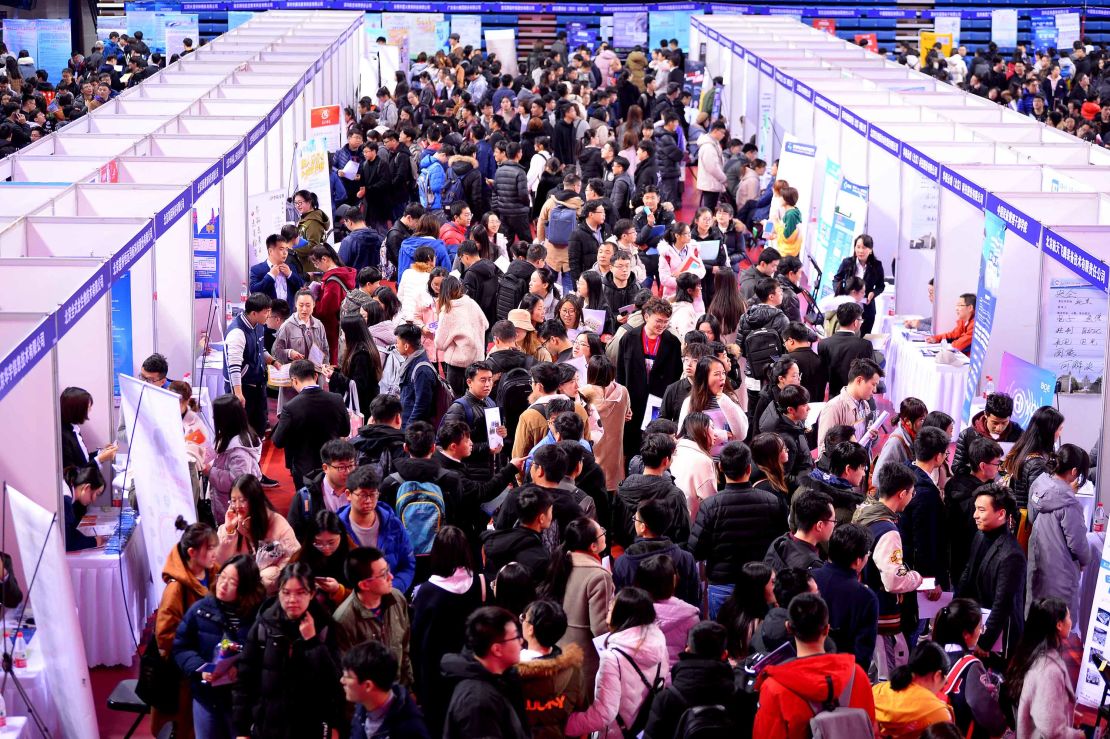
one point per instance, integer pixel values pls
(1073, 337)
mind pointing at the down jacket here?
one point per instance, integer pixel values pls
(1058, 547)
(553, 689)
(734, 527)
(198, 635)
(620, 691)
(288, 686)
(510, 190)
(461, 333)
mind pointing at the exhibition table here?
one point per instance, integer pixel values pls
(110, 589)
(911, 374)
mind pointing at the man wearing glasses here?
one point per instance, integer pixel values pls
(370, 523)
(815, 519)
(981, 467)
(487, 699)
(325, 488)
(960, 337)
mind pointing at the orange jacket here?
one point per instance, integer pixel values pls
(960, 337)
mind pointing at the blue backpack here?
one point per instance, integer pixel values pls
(422, 511)
(452, 189)
(560, 225)
(424, 186)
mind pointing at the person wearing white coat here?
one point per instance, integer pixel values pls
(711, 165)
(633, 647)
(692, 466)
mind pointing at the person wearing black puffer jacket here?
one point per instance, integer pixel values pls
(735, 526)
(289, 673)
(511, 200)
(464, 165)
(586, 238)
(668, 158)
(479, 279)
(787, 418)
(701, 677)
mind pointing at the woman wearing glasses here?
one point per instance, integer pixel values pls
(289, 673)
(324, 548)
(251, 526)
(299, 336)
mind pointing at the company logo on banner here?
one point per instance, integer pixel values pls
(986, 299)
(1029, 385)
(326, 121)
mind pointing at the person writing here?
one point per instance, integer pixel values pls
(960, 337)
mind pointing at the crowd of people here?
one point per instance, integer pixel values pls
(554, 464)
(33, 105)
(1069, 91)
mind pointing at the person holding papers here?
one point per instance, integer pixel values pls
(302, 336)
(678, 254)
(960, 337)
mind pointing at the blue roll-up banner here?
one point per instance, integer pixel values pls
(986, 299)
(206, 254)
(123, 358)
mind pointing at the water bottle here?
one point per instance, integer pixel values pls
(1099, 519)
(3, 713)
(243, 294)
(19, 651)
(989, 388)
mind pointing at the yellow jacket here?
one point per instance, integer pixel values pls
(905, 714)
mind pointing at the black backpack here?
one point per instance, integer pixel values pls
(761, 348)
(513, 390)
(510, 291)
(705, 722)
(654, 688)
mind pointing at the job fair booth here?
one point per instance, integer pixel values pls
(128, 233)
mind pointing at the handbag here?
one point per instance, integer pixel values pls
(159, 683)
(204, 503)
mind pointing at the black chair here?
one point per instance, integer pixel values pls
(123, 698)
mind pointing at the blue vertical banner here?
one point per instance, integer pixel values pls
(123, 359)
(206, 255)
(54, 46)
(986, 299)
(20, 35)
(848, 216)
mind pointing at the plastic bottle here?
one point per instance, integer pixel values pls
(1099, 519)
(243, 294)
(988, 389)
(19, 651)
(3, 712)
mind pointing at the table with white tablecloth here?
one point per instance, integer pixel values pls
(111, 590)
(19, 727)
(911, 374)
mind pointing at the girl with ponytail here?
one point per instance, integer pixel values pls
(908, 704)
(85, 485)
(578, 581)
(189, 571)
(972, 690)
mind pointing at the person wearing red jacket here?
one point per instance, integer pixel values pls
(336, 280)
(960, 337)
(787, 690)
(453, 231)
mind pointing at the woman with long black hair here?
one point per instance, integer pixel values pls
(971, 689)
(1038, 687)
(1028, 458)
(361, 363)
(865, 265)
(324, 548)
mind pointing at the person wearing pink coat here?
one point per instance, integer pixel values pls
(460, 337)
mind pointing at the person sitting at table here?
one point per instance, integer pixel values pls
(76, 404)
(10, 593)
(923, 324)
(190, 568)
(250, 525)
(85, 485)
(960, 337)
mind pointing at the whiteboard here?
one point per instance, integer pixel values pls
(1073, 332)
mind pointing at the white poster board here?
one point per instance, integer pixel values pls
(1004, 27)
(1067, 29)
(502, 41)
(265, 216)
(326, 121)
(159, 468)
(1090, 687)
(1073, 333)
(469, 28)
(796, 166)
(59, 632)
(421, 28)
(948, 24)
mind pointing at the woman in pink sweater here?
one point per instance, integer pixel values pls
(252, 527)
(461, 332)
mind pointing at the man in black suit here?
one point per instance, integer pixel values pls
(648, 351)
(308, 421)
(275, 277)
(838, 351)
(995, 573)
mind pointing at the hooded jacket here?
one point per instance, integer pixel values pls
(238, 459)
(473, 184)
(786, 690)
(412, 243)
(790, 551)
(619, 297)
(377, 442)
(195, 643)
(695, 681)
(846, 498)
(460, 335)
(306, 503)
(853, 611)
(626, 565)
(711, 162)
(480, 282)
(437, 179)
(620, 691)
(961, 461)
(288, 686)
(518, 544)
(1047, 702)
(924, 529)
(483, 704)
(637, 488)
(793, 435)
(355, 624)
(553, 689)
(760, 316)
(675, 617)
(393, 540)
(1058, 546)
(904, 714)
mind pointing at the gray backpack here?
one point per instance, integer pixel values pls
(835, 718)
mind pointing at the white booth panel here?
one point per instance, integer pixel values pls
(1096, 179)
(230, 107)
(162, 170)
(942, 97)
(67, 236)
(40, 285)
(1074, 153)
(965, 114)
(123, 200)
(913, 132)
(1080, 209)
(172, 92)
(962, 152)
(209, 80)
(211, 125)
(142, 107)
(19, 199)
(1007, 133)
(250, 92)
(55, 169)
(171, 145)
(127, 124)
(995, 178)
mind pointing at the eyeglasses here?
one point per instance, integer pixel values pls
(518, 638)
(343, 467)
(382, 575)
(995, 463)
(602, 534)
(294, 594)
(364, 494)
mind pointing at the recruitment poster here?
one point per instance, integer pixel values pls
(206, 254)
(986, 299)
(1029, 385)
(313, 173)
(796, 166)
(469, 28)
(1073, 337)
(765, 140)
(326, 121)
(830, 185)
(849, 216)
(123, 359)
(1090, 688)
